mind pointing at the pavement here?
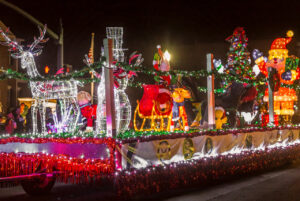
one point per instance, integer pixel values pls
(280, 185)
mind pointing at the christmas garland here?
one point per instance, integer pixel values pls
(79, 75)
(131, 136)
(201, 89)
(146, 136)
(11, 74)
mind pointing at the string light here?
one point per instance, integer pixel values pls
(43, 91)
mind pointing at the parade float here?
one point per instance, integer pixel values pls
(153, 147)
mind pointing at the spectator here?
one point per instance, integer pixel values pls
(10, 123)
(2, 123)
(19, 121)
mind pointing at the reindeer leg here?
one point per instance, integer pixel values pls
(34, 116)
(70, 120)
(76, 112)
(42, 108)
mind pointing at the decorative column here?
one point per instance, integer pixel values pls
(210, 91)
(271, 96)
(109, 89)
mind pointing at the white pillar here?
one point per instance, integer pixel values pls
(109, 89)
(210, 92)
(271, 98)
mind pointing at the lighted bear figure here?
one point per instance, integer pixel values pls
(178, 109)
(288, 71)
(220, 118)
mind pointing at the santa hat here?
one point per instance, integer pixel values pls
(220, 108)
(280, 43)
(160, 53)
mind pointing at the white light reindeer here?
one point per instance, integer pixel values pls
(42, 91)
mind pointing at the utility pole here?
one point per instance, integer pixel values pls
(60, 51)
(52, 34)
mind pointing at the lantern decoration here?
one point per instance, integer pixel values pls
(288, 71)
(47, 69)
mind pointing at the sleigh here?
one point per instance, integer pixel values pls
(155, 106)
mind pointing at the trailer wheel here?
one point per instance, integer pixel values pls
(40, 186)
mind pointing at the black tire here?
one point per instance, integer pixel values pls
(40, 186)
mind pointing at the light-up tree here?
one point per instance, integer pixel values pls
(238, 61)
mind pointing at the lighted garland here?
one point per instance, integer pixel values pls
(79, 75)
(131, 135)
(146, 136)
(201, 172)
(52, 137)
(295, 86)
(194, 74)
(201, 89)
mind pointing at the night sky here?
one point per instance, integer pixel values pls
(148, 23)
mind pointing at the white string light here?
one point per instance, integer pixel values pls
(43, 91)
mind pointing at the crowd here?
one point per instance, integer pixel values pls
(16, 121)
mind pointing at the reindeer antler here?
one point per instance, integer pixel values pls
(38, 40)
(14, 47)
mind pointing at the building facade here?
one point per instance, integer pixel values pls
(9, 89)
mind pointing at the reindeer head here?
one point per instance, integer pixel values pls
(18, 52)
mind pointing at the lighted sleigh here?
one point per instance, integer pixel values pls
(156, 106)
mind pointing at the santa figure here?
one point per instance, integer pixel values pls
(287, 72)
(87, 109)
(161, 62)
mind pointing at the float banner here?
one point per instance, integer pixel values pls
(165, 151)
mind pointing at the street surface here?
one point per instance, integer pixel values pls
(282, 184)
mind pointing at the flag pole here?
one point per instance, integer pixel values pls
(91, 57)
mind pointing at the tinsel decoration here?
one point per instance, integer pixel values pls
(110, 142)
(72, 170)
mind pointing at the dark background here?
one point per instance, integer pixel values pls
(188, 29)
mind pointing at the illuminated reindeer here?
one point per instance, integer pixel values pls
(42, 91)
